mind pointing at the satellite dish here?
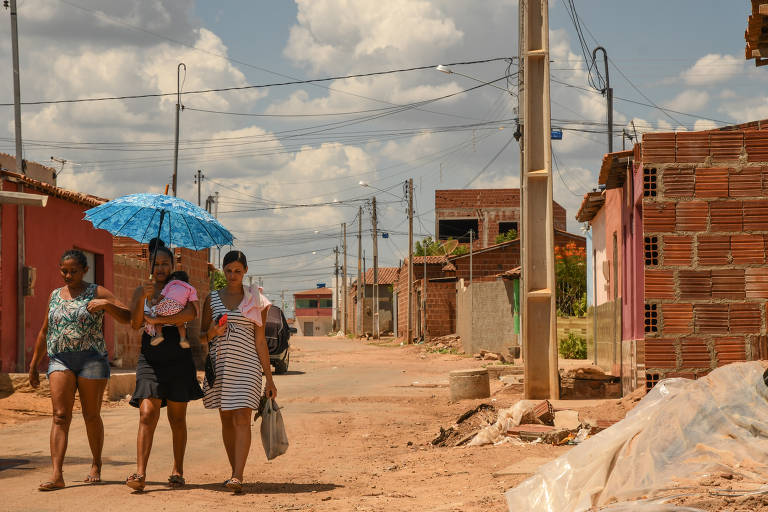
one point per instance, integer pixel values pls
(449, 246)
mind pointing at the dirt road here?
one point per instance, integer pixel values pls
(360, 418)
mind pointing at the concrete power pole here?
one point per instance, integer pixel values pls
(199, 177)
(178, 109)
(360, 276)
(608, 91)
(338, 302)
(409, 323)
(344, 228)
(20, 230)
(375, 270)
(537, 244)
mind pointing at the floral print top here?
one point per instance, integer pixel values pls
(71, 327)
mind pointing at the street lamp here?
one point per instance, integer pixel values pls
(368, 185)
(449, 71)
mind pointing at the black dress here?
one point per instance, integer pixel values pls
(166, 372)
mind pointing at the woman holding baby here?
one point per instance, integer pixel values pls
(165, 372)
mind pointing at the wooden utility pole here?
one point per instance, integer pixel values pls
(178, 109)
(409, 323)
(375, 270)
(199, 177)
(344, 286)
(338, 301)
(360, 276)
(537, 302)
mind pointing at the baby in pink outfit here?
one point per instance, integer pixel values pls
(173, 299)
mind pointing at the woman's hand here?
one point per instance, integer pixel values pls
(149, 289)
(153, 320)
(96, 305)
(270, 390)
(34, 377)
(217, 330)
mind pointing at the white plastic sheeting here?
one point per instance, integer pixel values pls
(682, 429)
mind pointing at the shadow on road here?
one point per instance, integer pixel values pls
(38, 461)
(253, 488)
(292, 372)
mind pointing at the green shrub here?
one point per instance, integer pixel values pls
(573, 347)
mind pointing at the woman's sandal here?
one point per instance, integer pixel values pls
(51, 486)
(136, 481)
(176, 481)
(235, 485)
(92, 479)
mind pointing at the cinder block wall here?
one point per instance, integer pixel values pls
(705, 227)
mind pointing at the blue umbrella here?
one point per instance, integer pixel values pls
(174, 221)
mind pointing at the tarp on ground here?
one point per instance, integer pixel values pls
(682, 429)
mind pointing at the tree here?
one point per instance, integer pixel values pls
(506, 237)
(429, 247)
(571, 276)
(218, 281)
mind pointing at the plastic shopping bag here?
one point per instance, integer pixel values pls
(273, 435)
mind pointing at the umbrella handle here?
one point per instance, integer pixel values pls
(154, 252)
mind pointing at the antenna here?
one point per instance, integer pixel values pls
(449, 246)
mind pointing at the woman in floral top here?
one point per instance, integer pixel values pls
(73, 337)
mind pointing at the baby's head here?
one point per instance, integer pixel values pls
(179, 275)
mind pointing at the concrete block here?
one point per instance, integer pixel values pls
(567, 419)
(121, 384)
(468, 384)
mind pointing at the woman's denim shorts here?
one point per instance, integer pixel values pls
(88, 364)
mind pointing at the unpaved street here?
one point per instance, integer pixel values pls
(360, 418)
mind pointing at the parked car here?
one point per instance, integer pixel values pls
(278, 334)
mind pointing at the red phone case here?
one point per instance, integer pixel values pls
(223, 319)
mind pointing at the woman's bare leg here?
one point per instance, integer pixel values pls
(63, 386)
(228, 435)
(177, 417)
(91, 395)
(149, 414)
(242, 427)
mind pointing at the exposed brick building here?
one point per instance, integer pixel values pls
(313, 310)
(387, 278)
(487, 212)
(705, 213)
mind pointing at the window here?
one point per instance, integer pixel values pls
(326, 303)
(306, 303)
(506, 226)
(457, 229)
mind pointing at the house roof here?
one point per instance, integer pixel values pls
(590, 205)
(315, 291)
(614, 167)
(387, 275)
(431, 260)
(513, 273)
(53, 190)
(488, 249)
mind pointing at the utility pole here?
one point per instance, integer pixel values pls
(199, 177)
(338, 302)
(360, 277)
(537, 233)
(471, 250)
(178, 109)
(375, 270)
(216, 215)
(209, 209)
(365, 273)
(409, 329)
(20, 230)
(344, 229)
(282, 300)
(608, 92)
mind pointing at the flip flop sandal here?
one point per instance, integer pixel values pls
(235, 485)
(50, 486)
(176, 481)
(136, 481)
(91, 479)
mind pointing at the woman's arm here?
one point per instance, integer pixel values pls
(34, 377)
(137, 304)
(208, 331)
(107, 302)
(185, 315)
(263, 350)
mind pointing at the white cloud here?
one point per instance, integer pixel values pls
(689, 100)
(714, 68)
(704, 124)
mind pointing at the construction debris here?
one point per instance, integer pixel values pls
(449, 342)
(680, 432)
(466, 426)
(588, 383)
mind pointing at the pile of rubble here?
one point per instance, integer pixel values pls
(526, 422)
(485, 355)
(449, 342)
(588, 382)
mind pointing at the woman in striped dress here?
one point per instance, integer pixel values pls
(239, 350)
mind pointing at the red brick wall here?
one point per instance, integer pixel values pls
(441, 308)
(709, 216)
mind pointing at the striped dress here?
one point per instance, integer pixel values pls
(237, 364)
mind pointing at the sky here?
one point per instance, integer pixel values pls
(267, 151)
